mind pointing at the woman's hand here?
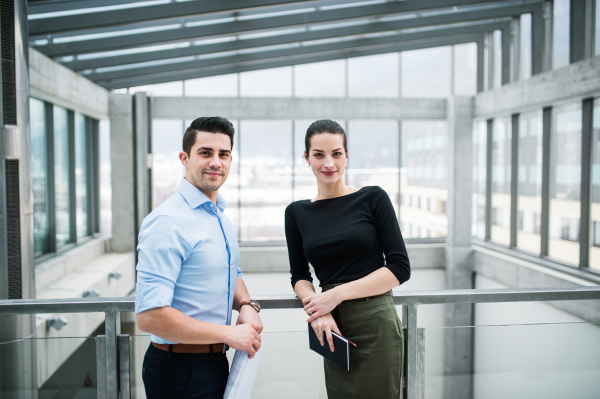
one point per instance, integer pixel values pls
(326, 324)
(318, 305)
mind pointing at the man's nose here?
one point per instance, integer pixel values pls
(214, 161)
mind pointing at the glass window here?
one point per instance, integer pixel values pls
(61, 176)
(169, 89)
(595, 210)
(423, 177)
(374, 76)
(81, 194)
(426, 72)
(565, 183)
(265, 178)
(501, 179)
(497, 65)
(465, 69)
(561, 25)
(479, 178)
(276, 82)
(373, 156)
(530, 182)
(39, 177)
(213, 86)
(167, 170)
(525, 47)
(105, 178)
(597, 29)
(305, 182)
(322, 79)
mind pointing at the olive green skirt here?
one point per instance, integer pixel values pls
(376, 361)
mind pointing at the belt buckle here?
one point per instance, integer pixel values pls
(225, 347)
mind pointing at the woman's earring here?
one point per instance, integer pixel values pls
(309, 165)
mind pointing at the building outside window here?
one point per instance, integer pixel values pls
(423, 175)
(565, 182)
(529, 202)
(373, 161)
(501, 179)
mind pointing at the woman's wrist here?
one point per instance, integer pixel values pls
(338, 294)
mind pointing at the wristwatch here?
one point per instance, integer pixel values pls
(255, 305)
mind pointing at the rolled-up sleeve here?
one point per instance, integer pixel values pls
(163, 246)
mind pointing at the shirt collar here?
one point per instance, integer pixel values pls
(195, 197)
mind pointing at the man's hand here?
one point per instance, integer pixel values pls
(249, 316)
(245, 338)
(325, 324)
(318, 305)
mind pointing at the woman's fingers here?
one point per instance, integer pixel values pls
(329, 338)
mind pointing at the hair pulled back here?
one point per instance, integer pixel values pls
(324, 126)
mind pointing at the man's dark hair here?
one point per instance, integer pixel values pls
(209, 124)
(324, 126)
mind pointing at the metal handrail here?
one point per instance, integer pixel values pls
(127, 304)
(112, 307)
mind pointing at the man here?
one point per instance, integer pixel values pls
(188, 277)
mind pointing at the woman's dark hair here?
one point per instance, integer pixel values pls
(211, 124)
(324, 126)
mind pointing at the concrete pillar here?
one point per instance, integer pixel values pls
(458, 343)
(122, 161)
(130, 143)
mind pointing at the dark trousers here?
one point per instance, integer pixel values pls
(183, 375)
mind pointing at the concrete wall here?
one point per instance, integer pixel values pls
(571, 83)
(299, 108)
(55, 83)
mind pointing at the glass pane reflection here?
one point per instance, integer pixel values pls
(501, 179)
(561, 25)
(479, 178)
(61, 176)
(81, 177)
(565, 183)
(595, 210)
(38, 173)
(265, 178)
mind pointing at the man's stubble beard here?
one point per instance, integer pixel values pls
(201, 180)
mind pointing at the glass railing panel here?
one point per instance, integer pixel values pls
(518, 361)
(287, 365)
(48, 367)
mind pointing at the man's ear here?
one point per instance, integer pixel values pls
(183, 157)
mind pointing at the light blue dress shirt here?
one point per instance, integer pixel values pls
(188, 258)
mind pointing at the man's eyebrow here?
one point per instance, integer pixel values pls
(205, 149)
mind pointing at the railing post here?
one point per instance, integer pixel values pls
(412, 343)
(125, 365)
(101, 366)
(113, 327)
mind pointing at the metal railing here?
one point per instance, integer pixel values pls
(112, 307)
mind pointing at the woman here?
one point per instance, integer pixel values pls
(343, 233)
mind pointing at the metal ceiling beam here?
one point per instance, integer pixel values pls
(287, 61)
(42, 7)
(296, 51)
(499, 12)
(48, 26)
(238, 27)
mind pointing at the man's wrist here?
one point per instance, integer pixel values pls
(251, 303)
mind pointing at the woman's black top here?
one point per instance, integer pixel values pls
(345, 238)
